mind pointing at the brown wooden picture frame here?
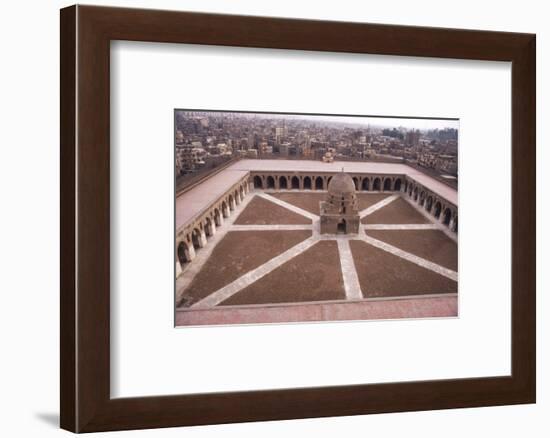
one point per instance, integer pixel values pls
(86, 34)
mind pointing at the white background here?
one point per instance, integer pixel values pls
(29, 250)
(150, 80)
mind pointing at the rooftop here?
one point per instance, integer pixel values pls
(437, 187)
(199, 198)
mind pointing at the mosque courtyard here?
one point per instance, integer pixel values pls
(269, 262)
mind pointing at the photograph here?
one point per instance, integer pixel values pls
(287, 217)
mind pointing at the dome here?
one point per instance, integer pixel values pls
(341, 184)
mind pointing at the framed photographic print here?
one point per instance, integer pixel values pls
(297, 217)
(266, 218)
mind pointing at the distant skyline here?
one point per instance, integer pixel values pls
(389, 122)
(378, 121)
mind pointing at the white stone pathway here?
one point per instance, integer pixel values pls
(377, 206)
(275, 227)
(349, 273)
(449, 273)
(250, 277)
(400, 227)
(290, 207)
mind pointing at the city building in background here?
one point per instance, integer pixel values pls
(207, 139)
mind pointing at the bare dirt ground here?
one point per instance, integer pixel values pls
(310, 201)
(307, 201)
(312, 276)
(432, 245)
(365, 200)
(315, 275)
(238, 253)
(262, 212)
(396, 212)
(382, 274)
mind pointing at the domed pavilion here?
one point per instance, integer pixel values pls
(340, 213)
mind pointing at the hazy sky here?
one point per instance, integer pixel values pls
(373, 121)
(384, 121)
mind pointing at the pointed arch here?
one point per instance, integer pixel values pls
(437, 210)
(429, 203)
(319, 183)
(183, 253)
(447, 215)
(208, 229)
(217, 217)
(196, 238)
(397, 185)
(258, 184)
